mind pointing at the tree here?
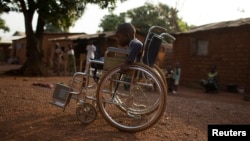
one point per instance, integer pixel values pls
(161, 15)
(59, 13)
(51, 28)
(3, 26)
(109, 22)
(3, 8)
(148, 15)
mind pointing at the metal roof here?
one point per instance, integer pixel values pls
(84, 36)
(10, 39)
(217, 25)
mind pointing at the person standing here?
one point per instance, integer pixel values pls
(71, 59)
(176, 77)
(82, 60)
(91, 48)
(57, 59)
(65, 60)
(169, 77)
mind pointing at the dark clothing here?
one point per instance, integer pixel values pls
(72, 64)
(135, 47)
(97, 67)
(170, 80)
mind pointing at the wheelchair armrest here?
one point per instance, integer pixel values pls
(96, 61)
(117, 50)
(119, 55)
(79, 73)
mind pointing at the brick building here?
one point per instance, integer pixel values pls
(101, 41)
(225, 44)
(19, 46)
(6, 47)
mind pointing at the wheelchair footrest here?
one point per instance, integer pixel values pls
(61, 96)
(57, 103)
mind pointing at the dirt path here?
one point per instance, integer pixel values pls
(25, 114)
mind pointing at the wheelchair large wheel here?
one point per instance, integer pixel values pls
(160, 73)
(133, 100)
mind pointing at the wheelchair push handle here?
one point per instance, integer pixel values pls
(168, 35)
(164, 33)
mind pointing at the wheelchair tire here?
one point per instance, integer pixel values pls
(136, 108)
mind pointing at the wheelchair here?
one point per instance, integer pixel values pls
(131, 100)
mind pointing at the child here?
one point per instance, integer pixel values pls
(169, 78)
(125, 34)
(176, 77)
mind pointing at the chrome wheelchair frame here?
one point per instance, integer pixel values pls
(131, 100)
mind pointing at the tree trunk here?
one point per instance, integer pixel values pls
(34, 65)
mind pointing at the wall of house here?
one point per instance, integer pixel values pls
(19, 46)
(5, 53)
(19, 50)
(101, 44)
(228, 48)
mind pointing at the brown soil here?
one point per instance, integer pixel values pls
(25, 114)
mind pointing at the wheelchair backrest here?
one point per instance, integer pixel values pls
(151, 48)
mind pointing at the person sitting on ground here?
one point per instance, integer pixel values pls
(211, 84)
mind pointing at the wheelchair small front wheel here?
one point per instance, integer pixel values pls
(86, 113)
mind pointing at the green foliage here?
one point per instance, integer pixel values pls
(147, 16)
(58, 14)
(61, 14)
(49, 27)
(3, 25)
(109, 22)
(110, 4)
(3, 8)
(183, 26)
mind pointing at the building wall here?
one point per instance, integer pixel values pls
(19, 46)
(5, 52)
(19, 50)
(228, 48)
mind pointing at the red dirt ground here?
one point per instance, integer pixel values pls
(26, 115)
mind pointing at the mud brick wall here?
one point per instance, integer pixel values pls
(228, 48)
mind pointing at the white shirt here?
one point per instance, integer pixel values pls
(90, 52)
(71, 52)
